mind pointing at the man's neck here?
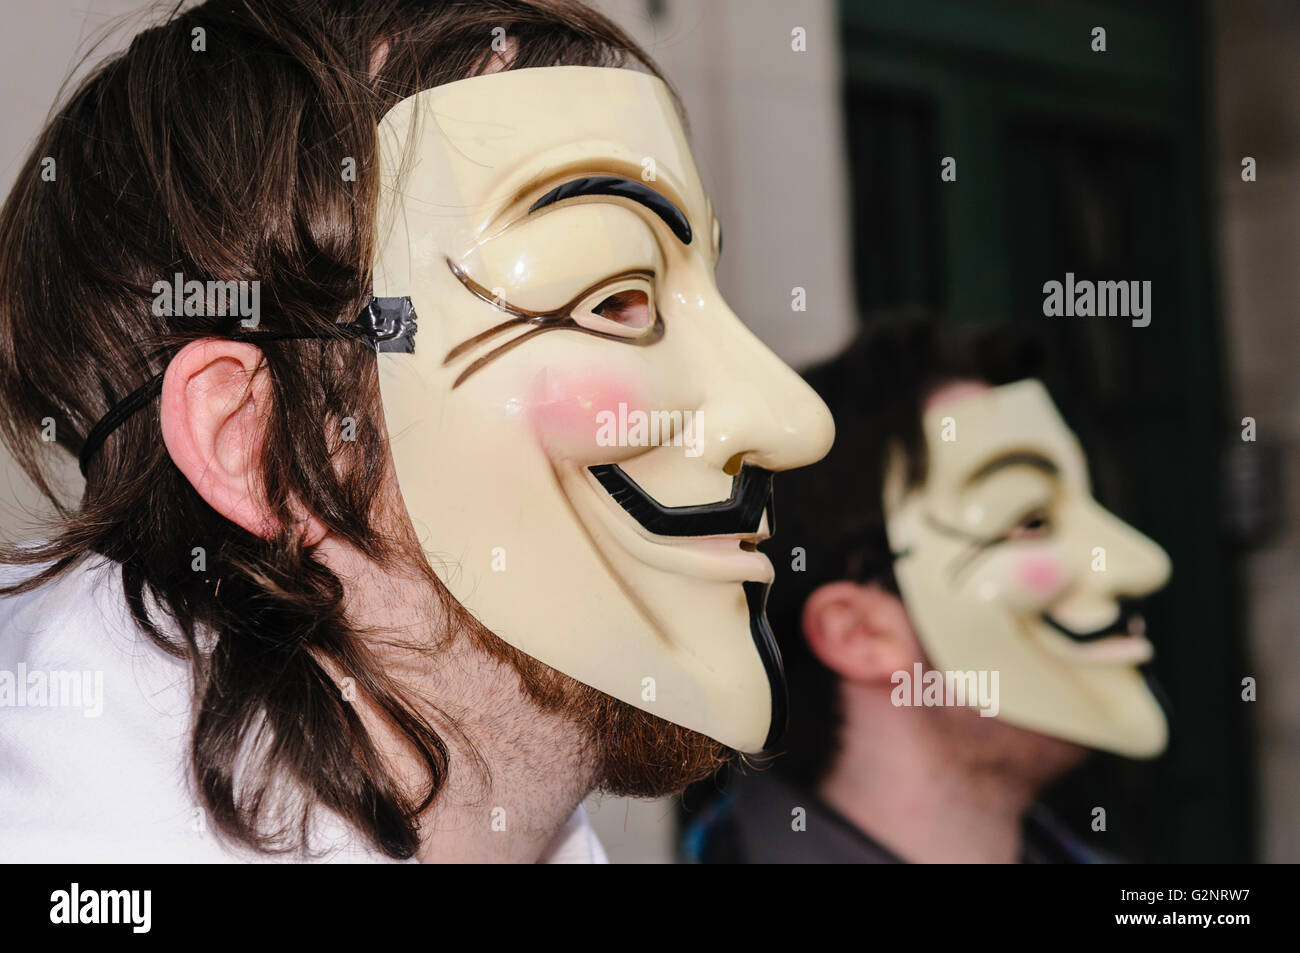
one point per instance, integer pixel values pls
(514, 774)
(919, 791)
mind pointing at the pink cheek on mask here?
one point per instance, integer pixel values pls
(1039, 575)
(566, 410)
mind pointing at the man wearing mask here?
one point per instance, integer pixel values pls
(957, 616)
(336, 309)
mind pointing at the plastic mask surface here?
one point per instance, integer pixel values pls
(1006, 563)
(570, 425)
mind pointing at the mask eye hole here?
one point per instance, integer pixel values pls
(1033, 525)
(624, 309)
(631, 309)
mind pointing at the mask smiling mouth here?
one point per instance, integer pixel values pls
(739, 515)
(716, 541)
(1123, 640)
(1128, 623)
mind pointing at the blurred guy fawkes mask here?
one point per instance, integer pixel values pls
(1006, 563)
(552, 233)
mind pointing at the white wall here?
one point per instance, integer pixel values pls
(1257, 100)
(41, 42)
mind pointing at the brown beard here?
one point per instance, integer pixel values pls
(634, 753)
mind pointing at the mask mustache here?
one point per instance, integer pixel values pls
(741, 514)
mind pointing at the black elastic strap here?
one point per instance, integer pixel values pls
(116, 417)
(387, 324)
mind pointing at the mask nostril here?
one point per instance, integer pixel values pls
(733, 465)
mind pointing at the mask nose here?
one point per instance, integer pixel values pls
(757, 410)
(1136, 565)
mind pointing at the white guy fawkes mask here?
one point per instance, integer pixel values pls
(583, 431)
(1006, 563)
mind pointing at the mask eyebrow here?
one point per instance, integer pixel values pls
(621, 187)
(1035, 460)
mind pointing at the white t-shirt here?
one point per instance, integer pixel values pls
(95, 725)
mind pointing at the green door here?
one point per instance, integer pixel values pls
(1096, 163)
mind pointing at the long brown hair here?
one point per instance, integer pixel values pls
(225, 164)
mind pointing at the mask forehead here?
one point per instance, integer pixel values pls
(963, 438)
(472, 153)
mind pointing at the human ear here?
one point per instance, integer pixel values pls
(861, 632)
(215, 397)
